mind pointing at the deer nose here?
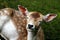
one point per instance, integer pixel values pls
(30, 26)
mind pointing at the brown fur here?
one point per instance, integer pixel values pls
(20, 22)
(35, 15)
(40, 34)
(9, 11)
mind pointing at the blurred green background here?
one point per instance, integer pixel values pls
(51, 29)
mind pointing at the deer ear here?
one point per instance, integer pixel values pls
(22, 10)
(49, 17)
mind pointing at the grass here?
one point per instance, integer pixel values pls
(51, 29)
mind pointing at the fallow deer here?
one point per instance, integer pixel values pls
(20, 25)
(34, 30)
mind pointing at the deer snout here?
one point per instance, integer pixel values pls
(30, 26)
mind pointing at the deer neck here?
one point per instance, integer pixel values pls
(31, 35)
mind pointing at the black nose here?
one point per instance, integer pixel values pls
(30, 26)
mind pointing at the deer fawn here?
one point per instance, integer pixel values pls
(22, 24)
(33, 27)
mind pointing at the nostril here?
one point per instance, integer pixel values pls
(30, 26)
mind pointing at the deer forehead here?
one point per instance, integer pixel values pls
(36, 15)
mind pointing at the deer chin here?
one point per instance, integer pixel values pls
(31, 30)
